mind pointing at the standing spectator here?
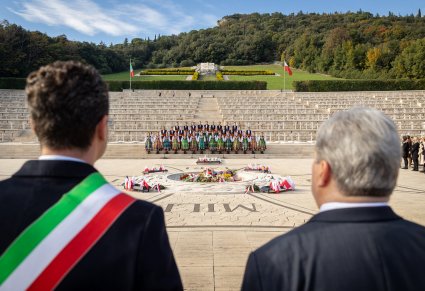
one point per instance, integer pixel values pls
(415, 153)
(62, 225)
(356, 241)
(405, 150)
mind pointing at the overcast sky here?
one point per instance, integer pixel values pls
(114, 20)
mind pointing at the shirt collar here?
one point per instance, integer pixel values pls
(60, 158)
(341, 205)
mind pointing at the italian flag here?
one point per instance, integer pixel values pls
(42, 255)
(131, 71)
(287, 68)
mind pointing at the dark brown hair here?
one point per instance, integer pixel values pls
(66, 102)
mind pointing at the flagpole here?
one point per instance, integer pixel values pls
(284, 77)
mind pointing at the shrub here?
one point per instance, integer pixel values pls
(358, 85)
(246, 72)
(195, 76)
(12, 83)
(187, 85)
(219, 76)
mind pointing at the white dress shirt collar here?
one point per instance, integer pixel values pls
(341, 205)
(60, 158)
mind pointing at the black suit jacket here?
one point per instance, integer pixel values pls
(134, 254)
(415, 150)
(368, 248)
(405, 149)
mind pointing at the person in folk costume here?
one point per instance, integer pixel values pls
(228, 142)
(201, 141)
(193, 126)
(212, 143)
(213, 127)
(235, 127)
(186, 127)
(171, 132)
(220, 142)
(166, 142)
(157, 143)
(163, 132)
(206, 126)
(262, 143)
(219, 127)
(185, 143)
(236, 142)
(207, 138)
(194, 142)
(175, 143)
(177, 126)
(248, 132)
(132, 183)
(148, 142)
(245, 142)
(252, 142)
(226, 129)
(180, 132)
(200, 126)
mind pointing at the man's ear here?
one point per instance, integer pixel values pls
(324, 175)
(102, 128)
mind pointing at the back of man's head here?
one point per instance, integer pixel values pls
(66, 102)
(362, 148)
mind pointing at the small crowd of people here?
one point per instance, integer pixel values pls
(203, 136)
(413, 149)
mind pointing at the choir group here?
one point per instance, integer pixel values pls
(200, 137)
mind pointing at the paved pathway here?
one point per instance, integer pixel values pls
(213, 227)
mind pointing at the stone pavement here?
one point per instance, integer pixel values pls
(213, 227)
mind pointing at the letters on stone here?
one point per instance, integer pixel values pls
(213, 207)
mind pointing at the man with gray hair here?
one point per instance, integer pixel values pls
(356, 241)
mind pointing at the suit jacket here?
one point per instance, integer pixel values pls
(415, 150)
(369, 248)
(134, 254)
(405, 149)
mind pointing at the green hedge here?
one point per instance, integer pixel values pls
(219, 76)
(12, 83)
(246, 72)
(195, 76)
(188, 85)
(168, 72)
(358, 85)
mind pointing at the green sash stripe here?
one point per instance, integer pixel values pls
(40, 228)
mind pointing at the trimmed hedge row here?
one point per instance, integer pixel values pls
(12, 83)
(187, 85)
(219, 76)
(358, 85)
(167, 72)
(117, 86)
(195, 76)
(246, 73)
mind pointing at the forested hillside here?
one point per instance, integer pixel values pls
(350, 45)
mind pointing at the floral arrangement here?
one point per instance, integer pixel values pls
(210, 175)
(260, 168)
(207, 160)
(154, 170)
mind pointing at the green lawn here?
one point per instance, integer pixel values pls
(125, 76)
(273, 82)
(276, 82)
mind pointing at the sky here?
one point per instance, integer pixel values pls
(111, 21)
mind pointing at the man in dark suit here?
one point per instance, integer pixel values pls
(122, 246)
(356, 241)
(405, 152)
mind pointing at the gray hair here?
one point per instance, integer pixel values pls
(362, 148)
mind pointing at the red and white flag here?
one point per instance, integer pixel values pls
(287, 68)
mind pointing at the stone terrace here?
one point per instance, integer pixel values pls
(282, 116)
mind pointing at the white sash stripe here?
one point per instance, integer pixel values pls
(61, 235)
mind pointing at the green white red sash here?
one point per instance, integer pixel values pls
(42, 255)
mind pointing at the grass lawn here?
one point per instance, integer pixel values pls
(125, 76)
(276, 82)
(273, 82)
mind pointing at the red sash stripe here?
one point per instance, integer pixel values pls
(75, 250)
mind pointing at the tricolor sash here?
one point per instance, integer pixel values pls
(42, 255)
